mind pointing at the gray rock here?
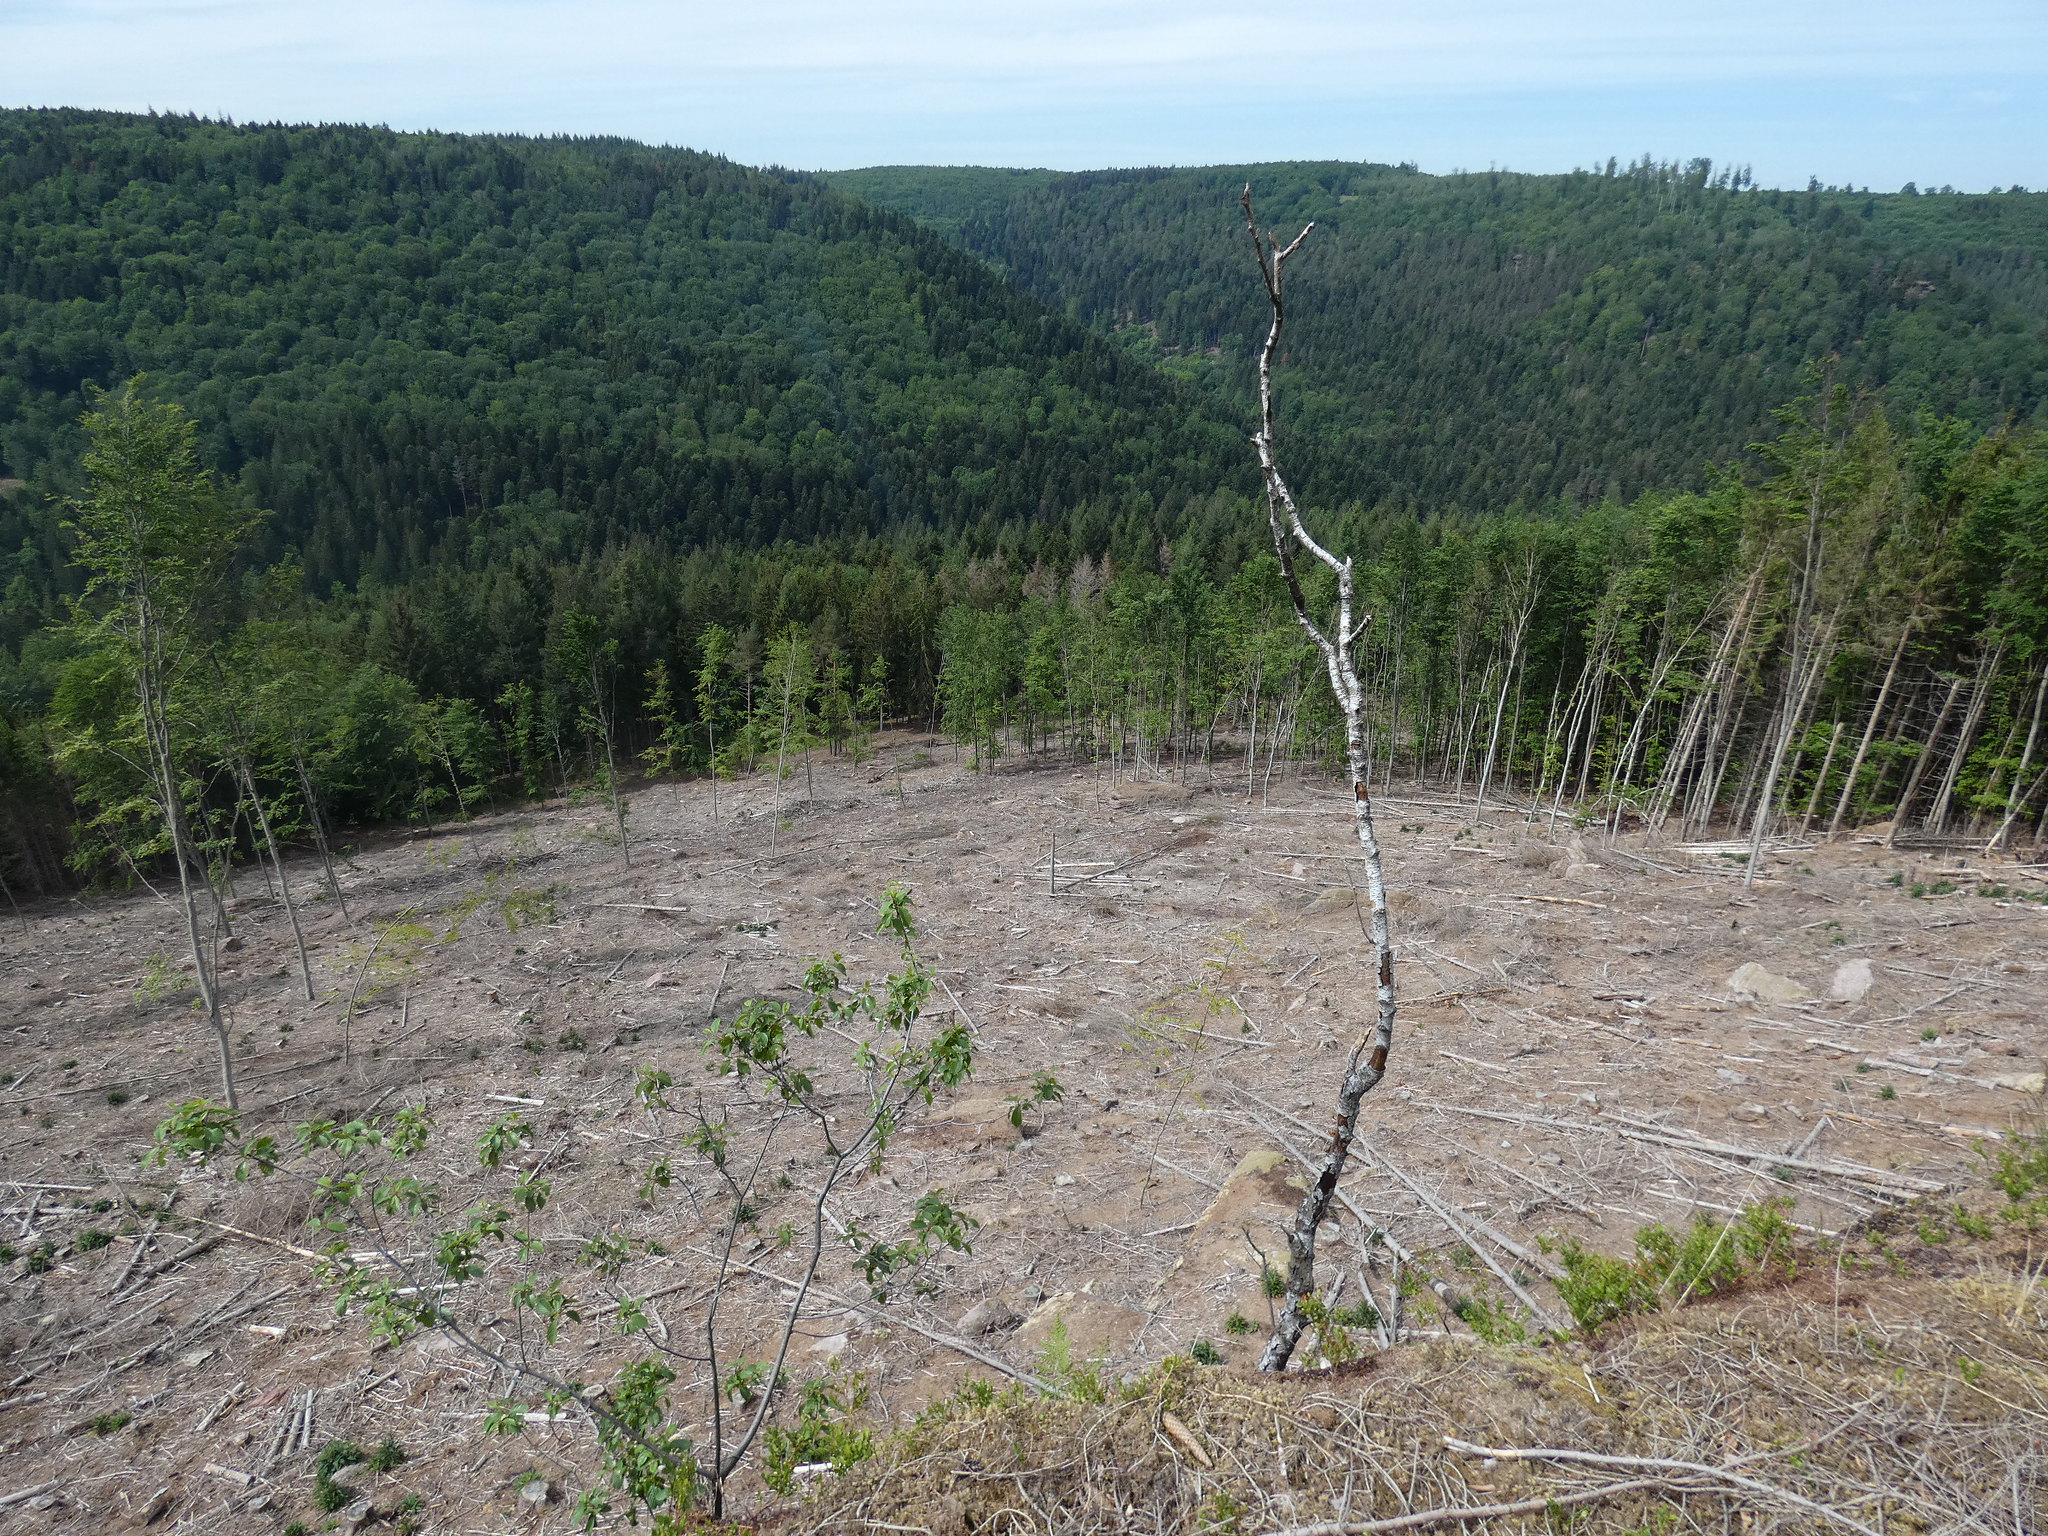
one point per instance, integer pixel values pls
(988, 1316)
(1752, 980)
(1852, 981)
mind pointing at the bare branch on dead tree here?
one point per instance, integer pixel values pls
(1334, 640)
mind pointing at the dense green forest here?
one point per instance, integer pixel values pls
(1473, 341)
(531, 464)
(414, 345)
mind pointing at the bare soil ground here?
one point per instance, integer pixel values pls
(1574, 1058)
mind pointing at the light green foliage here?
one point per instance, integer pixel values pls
(459, 749)
(525, 734)
(1045, 1089)
(2020, 1173)
(160, 977)
(487, 1255)
(1081, 1380)
(786, 702)
(720, 709)
(975, 685)
(1702, 1260)
(671, 751)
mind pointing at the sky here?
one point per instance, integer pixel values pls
(1856, 92)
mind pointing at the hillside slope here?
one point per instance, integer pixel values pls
(396, 340)
(1473, 340)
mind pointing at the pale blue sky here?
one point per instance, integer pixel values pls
(1868, 92)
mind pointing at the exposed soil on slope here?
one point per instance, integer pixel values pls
(1573, 1060)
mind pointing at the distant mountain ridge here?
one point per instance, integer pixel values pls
(1476, 340)
(408, 345)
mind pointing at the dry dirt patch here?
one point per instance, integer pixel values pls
(1572, 1060)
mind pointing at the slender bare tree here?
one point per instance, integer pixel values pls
(1334, 638)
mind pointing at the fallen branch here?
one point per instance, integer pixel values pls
(258, 1237)
(192, 1251)
(937, 1336)
(1889, 1183)
(1660, 1464)
(1424, 1519)
(22, 1495)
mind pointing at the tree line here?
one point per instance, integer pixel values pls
(1856, 635)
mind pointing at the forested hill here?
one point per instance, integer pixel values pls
(1473, 340)
(403, 342)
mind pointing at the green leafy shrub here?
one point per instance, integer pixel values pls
(824, 1432)
(1597, 1289)
(329, 1495)
(361, 1176)
(387, 1456)
(1703, 1260)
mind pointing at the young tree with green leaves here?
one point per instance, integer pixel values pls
(588, 658)
(525, 733)
(157, 536)
(785, 706)
(871, 701)
(409, 1256)
(720, 706)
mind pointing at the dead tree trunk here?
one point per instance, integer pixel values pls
(1973, 718)
(1920, 761)
(1368, 1064)
(1884, 693)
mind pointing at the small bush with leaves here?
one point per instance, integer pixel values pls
(328, 1494)
(387, 1456)
(1079, 1380)
(1703, 1260)
(824, 1432)
(717, 1151)
(1045, 1089)
(1202, 1352)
